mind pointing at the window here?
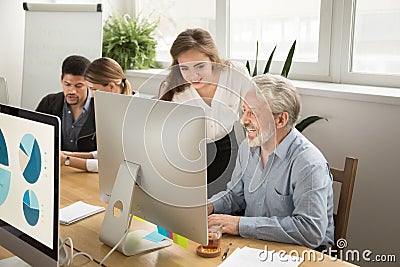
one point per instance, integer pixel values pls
(376, 41)
(176, 16)
(343, 41)
(275, 23)
(370, 52)
(280, 23)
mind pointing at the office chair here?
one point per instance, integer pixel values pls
(346, 177)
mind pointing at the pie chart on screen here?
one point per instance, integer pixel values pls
(5, 175)
(30, 158)
(31, 207)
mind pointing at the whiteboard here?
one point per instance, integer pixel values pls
(52, 33)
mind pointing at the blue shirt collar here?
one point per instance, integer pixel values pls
(283, 148)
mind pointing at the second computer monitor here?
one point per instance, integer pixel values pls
(29, 186)
(168, 141)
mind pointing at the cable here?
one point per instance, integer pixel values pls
(72, 255)
(119, 242)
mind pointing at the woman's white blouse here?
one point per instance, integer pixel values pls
(224, 111)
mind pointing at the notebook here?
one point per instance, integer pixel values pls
(78, 211)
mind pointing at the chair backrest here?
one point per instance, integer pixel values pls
(346, 177)
(3, 91)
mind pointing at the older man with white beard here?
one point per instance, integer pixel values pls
(281, 188)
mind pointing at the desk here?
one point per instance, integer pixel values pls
(78, 185)
(79, 261)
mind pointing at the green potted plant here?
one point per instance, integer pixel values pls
(130, 41)
(303, 124)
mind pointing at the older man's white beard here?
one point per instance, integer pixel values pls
(256, 141)
(260, 139)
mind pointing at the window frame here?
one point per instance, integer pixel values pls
(346, 75)
(334, 53)
(309, 70)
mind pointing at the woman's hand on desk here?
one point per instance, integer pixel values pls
(229, 223)
(78, 160)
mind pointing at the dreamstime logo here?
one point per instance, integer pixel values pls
(341, 243)
(351, 255)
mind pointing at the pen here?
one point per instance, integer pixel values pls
(226, 251)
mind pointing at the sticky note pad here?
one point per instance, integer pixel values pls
(139, 219)
(164, 232)
(155, 237)
(180, 240)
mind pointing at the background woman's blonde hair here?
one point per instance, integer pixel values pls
(105, 70)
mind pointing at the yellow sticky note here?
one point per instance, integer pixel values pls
(139, 219)
(180, 240)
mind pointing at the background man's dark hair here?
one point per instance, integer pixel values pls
(74, 65)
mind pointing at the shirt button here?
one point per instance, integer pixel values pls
(72, 126)
(69, 112)
(71, 141)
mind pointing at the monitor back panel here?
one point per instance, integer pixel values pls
(168, 141)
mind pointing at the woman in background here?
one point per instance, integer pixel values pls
(103, 74)
(198, 76)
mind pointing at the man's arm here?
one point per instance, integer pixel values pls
(80, 160)
(43, 105)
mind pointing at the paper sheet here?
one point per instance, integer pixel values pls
(259, 258)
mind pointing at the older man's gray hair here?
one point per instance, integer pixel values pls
(280, 94)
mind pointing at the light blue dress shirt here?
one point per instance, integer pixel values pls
(289, 200)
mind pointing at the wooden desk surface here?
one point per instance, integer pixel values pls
(78, 185)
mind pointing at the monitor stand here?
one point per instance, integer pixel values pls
(13, 262)
(114, 228)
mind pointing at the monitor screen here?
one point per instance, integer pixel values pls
(167, 141)
(29, 185)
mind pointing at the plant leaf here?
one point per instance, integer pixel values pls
(248, 66)
(130, 41)
(304, 123)
(255, 66)
(288, 62)
(268, 65)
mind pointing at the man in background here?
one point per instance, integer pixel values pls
(74, 106)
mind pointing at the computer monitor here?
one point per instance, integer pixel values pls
(152, 160)
(29, 186)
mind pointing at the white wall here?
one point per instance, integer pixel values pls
(370, 132)
(12, 25)
(12, 21)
